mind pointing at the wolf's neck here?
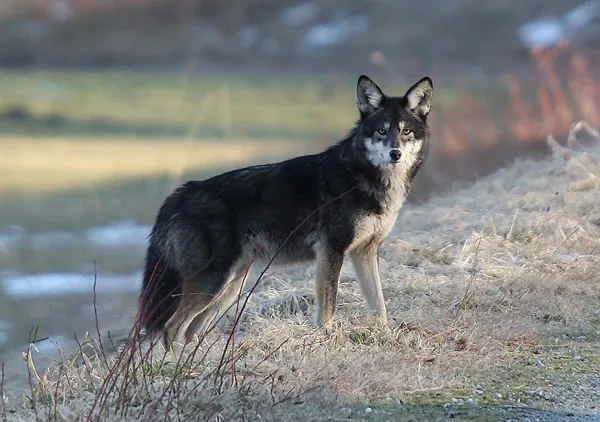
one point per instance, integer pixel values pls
(396, 184)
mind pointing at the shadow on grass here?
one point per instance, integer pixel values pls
(18, 120)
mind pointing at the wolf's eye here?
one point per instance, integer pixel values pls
(381, 131)
(406, 131)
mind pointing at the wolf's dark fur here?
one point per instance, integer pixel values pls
(344, 199)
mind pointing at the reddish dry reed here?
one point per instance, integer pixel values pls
(477, 134)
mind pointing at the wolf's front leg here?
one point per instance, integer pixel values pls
(366, 266)
(329, 265)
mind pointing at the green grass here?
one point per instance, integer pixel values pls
(170, 104)
(149, 104)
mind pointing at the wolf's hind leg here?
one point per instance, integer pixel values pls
(329, 265)
(201, 321)
(197, 293)
(366, 266)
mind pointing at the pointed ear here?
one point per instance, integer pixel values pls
(418, 96)
(369, 95)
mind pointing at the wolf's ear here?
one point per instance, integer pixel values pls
(418, 96)
(369, 95)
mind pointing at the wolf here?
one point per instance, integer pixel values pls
(341, 202)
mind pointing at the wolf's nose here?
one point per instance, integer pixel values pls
(395, 154)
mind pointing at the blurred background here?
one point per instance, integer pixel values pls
(106, 105)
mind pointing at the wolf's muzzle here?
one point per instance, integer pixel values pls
(395, 154)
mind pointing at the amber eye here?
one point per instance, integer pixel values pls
(406, 131)
(381, 131)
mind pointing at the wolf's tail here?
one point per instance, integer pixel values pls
(160, 294)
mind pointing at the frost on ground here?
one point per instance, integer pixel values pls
(493, 294)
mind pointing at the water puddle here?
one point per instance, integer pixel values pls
(62, 300)
(56, 284)
(124, 234)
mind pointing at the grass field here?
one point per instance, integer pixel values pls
(164, 103)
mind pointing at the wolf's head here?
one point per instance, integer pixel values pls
(392, 131)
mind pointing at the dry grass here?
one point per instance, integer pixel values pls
(475, 282)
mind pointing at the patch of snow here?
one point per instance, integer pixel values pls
(582, 15)
(333, 33)
(300, 14)
(544, 32)
(125, 233)
(551, 30)
(55, 284)
(248, 36)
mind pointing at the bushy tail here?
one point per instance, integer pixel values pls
(160, 294)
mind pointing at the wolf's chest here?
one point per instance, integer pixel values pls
(370, 227)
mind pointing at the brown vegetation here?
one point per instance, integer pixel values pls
(474, 135)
